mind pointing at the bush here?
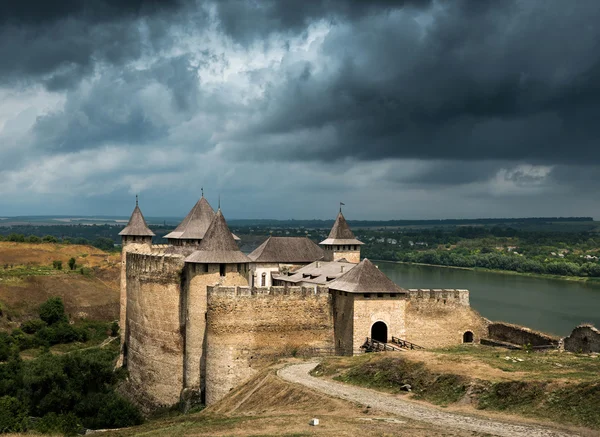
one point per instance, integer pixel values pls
(32, 326)
(49, 239)
(72, 263)
(114, 329)
(13, 415)
(65, 424)
(33, 239)
(53, 311)
(57, 264)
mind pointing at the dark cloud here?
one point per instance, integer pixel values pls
(501, 81)
(130, 106)
(58, 43)
(246, 20)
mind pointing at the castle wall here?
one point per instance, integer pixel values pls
(519, 335)
(343, 322)
(583, 339)
(198, 278)
(352, 256)
(129, 245)
(438, 318)
(248, 328)
(266, 269)
(154, 341)
(382, 307)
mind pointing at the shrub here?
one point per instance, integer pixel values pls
(72, 263)
(65, 424)
(49, 239)
(57, 264)
(33, 239)
(13, 415)
(114, 329)
(32, 326)
(53, 311)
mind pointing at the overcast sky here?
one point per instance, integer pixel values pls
(400, 109)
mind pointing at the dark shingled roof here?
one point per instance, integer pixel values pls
(287, 250)
(218, 245)
(341, 233)
(365, 278)
(137, 226)
(195, 224)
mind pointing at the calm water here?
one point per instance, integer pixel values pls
(549, 305)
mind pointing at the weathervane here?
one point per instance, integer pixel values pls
(202, 189)
(342, 204)
(136, 200)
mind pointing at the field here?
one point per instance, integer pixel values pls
(28, 278)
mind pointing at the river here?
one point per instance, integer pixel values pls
(550, 305)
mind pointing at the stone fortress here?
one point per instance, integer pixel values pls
(199, 317)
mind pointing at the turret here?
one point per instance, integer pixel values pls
(218, 261)
(135, 235)
(136, 231)
(341, 242)
(192, 229)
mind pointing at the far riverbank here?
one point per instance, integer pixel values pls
(505, 272)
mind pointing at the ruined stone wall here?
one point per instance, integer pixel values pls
(154, 341)
(583, 339)
(370, 308)
(248, 328)
(198, 278)
(343, 319)
(519, 335)
(438, 318)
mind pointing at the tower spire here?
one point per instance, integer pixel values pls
(341, 204)
(202, 190)
(219, 202)
(136, 200)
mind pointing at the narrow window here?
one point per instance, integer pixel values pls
(367, 295)
(379, 294)
(222, 269)
(263, 280)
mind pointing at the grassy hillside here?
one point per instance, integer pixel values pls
(28, 278)
(561, 387)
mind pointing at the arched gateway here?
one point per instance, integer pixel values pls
(379, 332)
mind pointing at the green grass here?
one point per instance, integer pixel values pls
(541, 365)
(24, 271)
(571, 395)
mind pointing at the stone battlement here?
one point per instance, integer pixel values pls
(456, 296)
(154, 263)
(268, 291)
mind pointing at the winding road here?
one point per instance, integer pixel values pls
(299, 374)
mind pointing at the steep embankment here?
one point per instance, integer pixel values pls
(269, 406)
(29, 275)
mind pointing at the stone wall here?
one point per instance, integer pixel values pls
(439, 318)
(129, 245)
(198, 278)
(383, 307)
(248, 328)
(343, 322)
(153, 339)
(583, 339)
(519, 335)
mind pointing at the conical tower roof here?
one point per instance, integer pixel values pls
(137, 226)
(196, 223)
(365, 278)
(218, 245)
(341, 233)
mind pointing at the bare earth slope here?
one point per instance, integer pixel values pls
(27, 279)
(299, 373)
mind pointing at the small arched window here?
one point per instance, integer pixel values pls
(263, 280)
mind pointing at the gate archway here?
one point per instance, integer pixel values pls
(468, 337)
(379, 332)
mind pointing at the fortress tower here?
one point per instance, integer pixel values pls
(134, 236)
(341, 243)
(217, 262)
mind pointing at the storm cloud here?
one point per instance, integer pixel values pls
(487, 100)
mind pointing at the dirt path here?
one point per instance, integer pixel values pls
(298, 373)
